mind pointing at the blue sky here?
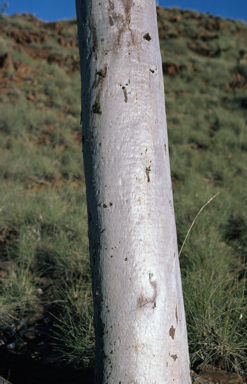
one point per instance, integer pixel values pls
(51, 10)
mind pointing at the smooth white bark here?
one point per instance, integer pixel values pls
(139, 313)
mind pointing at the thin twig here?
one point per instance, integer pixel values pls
(2, 207)
(13, 317)
(195, 221)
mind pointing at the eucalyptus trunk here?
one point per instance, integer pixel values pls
(140, 323)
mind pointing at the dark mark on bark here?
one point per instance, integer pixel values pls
(121, 22)
(110, 204)
(125, 94)
(93, 29)
(100, 75)
(104, 206)
(127, 9)
(141, 301)
(102, 72)
(175, 357)
(147, 37)
(96, 108)
(111, 5)
(176, 314)
(172, 332)
(111, 22)
(148, 170)
(151, 70)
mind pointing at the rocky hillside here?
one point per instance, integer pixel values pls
(45, 287)
(188, 33)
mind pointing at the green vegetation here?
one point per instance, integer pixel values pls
(43, 218)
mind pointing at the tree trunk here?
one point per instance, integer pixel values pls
(139, 313)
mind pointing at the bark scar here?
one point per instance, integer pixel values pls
(175, 357)
(102, 72)
(96, 108)
(127, 9)
(125, 94)
(144, 300)
(100, 75)
(120, 21)
(148, 170)
(147, 37)
(111, 22)
(172, 332)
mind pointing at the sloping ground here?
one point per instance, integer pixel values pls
(45, 296)
(43, 40)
